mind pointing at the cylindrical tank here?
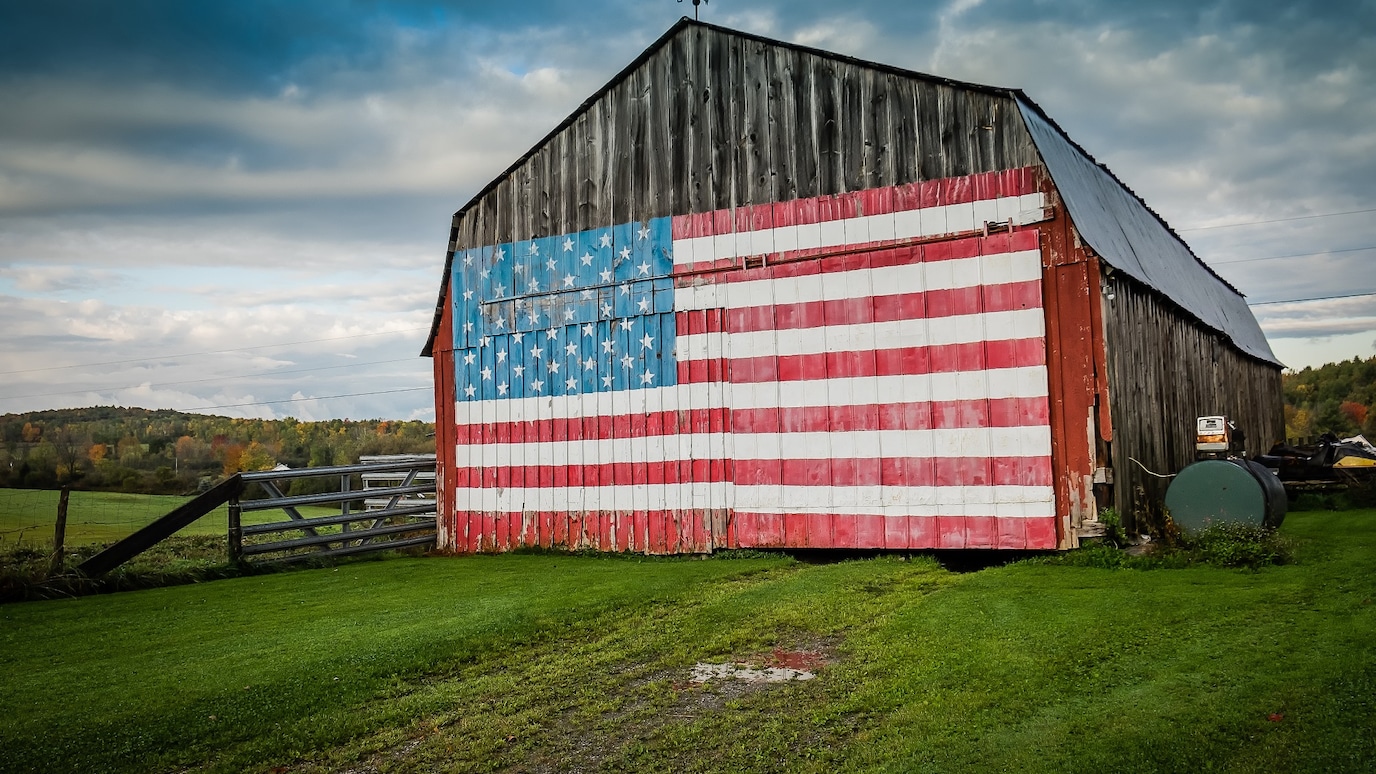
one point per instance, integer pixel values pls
(1232, 490)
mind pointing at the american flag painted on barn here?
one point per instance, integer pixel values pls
(860, 370)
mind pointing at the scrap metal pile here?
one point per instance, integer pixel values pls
(1331, 463)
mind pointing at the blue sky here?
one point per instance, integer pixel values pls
(189, 191)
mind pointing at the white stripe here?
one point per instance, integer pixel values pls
(654, 448)
(996, 269)
(854, 499)
(650, 497)
(980, 442)
(929, 332)
(905, 224)
(1024, 382)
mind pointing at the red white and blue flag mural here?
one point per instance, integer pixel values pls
(860, 370)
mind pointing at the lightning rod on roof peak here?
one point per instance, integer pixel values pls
(696, 3)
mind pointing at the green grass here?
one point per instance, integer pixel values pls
(556, 662)
(27, 516)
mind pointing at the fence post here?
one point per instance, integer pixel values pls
(60, 531)
(236, 530)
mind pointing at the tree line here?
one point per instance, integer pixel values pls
(170, 452)
(1337, 398)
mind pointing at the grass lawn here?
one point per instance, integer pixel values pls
(557, 662)
(27, 516)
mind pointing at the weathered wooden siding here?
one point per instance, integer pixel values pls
(713, 121)
(1165, 370)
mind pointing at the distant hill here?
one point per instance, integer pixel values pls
(1337, 398)
(165, 451)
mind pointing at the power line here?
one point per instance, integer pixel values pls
(212, 379)
(303, 400)
(216, 351)
(1294, 255)
(1276, 220)
(1316, 298)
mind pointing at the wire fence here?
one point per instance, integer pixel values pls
(27, 516)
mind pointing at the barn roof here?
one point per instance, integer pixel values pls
(1117, 224)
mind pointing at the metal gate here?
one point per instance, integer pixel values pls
(371, 519)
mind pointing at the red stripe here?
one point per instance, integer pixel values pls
(874, 201)
(921, 415)
(634, 425)
(903, 361)
(655, 532)
(774, 530)
(897, 471)
(922, 305)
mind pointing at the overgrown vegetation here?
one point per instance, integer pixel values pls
(165, 451)
(558, 663)
(26, 571)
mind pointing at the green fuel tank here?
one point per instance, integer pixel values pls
(1233, 490)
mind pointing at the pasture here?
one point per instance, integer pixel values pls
(553, 662)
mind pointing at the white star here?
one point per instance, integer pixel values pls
(534, 316)
(646, 342)
(553, 366)
(516, 337)
(501, 356)
(626, 361)
(499, 291)
(469, 390)
(571, 348)
(606, 310)
(552, 333)
(571, 384)
(586, 293)
(536, 352)
(568, 245)
(468, 327)
(606, 275)
(536, 385)
(487, 374)
(550, 264)
(519, 370)
(625, 288)
(499, 255)
(519, 268)
(644, 232)
(606, 345)
(501, 388)
(586, 259)
(534, 285)
(484, 341)
(468, 260)
(646, 377)
(625, 253)
(626, 324)
(485, 273)
(589, 364)
(605, 241)
(568, 280)
(500, 322)
(607, 380)
(644, 304)
(534, 248)
(568, 315)
(588, 329)
(645, 268)
(469, 358)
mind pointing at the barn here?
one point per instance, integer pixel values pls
(754, 294)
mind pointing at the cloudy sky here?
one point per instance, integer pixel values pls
(241, 208)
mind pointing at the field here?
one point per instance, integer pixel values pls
(544, 662)
(27, 516)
